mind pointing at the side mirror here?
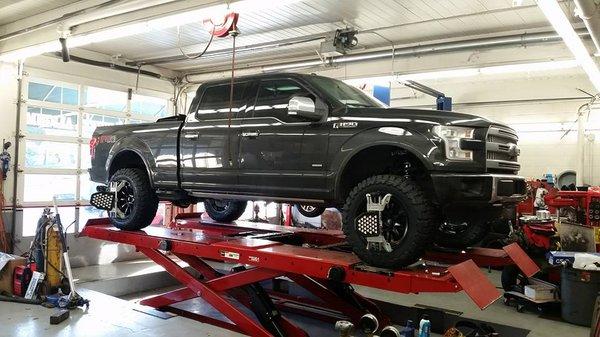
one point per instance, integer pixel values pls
(304, 107)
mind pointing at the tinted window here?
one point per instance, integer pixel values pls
(215, 101)
(344, 93)
(273, 98)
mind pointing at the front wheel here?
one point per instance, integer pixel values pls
(224, 210)
(404, 230)
(136, 202)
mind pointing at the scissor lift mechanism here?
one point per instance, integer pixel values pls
(313, 259)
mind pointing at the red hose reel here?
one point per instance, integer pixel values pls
(222, 30)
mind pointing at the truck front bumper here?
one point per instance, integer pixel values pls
(452, 188)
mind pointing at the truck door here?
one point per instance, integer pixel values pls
(209, 140)
(281, 155)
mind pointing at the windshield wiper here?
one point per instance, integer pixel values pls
(362, 105)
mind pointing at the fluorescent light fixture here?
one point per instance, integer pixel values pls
(561, 24)
(298, 65)
(529, 67)
(468, 72)
(198, 15)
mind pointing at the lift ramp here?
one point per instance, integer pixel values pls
(317, 260)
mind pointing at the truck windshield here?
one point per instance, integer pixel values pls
(344, 93)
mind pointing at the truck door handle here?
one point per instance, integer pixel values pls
(191, 135)
(253, 134)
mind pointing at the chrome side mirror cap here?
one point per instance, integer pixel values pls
(304, 107)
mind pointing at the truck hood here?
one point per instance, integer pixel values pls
(420, 116)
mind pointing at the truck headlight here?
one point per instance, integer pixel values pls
(452, 136)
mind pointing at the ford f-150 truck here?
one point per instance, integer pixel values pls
(403, 179)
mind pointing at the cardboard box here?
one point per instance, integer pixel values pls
(6, 273)
(539, 292)
(560, 257)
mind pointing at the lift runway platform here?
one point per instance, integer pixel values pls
(316, 260)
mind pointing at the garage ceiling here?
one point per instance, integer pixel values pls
(16, 10)
(400, 21)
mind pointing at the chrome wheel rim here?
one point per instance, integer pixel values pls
(308, 208)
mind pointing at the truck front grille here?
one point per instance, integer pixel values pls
(501, 149)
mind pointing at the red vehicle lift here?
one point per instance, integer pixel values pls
(313, 259)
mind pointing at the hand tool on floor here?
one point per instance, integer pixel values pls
(59, 316)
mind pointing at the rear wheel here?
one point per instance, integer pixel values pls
(464, 228)
(136, 202)
(224, 210)
(407, 221)
(310, 211)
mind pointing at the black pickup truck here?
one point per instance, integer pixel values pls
(403, 178)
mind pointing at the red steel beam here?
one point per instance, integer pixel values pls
(212, 243)
(239, 318)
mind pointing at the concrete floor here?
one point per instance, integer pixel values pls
(111, 316)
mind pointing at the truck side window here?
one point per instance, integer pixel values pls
(273, 98)
(214, 103)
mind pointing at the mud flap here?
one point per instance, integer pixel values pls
(474, 282)
(521, 259)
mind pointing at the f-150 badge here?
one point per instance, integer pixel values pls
(345, 125)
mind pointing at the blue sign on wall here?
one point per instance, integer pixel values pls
(382, 93)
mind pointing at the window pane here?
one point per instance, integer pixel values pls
(38, 91)
(274, 96)
(43, 121)
(87, 187)
(42, 187)
(105, 99)
(53, 93)
(150, 106)
(70, 96)
(86, 159)
(89, 212)
(90, 122)
(44, 154)
(32, 215)
(214, 103)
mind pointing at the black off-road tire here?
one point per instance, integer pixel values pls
(421, 221)
(479, 226)
(145, 204)
(314, 212)
(231, 212)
